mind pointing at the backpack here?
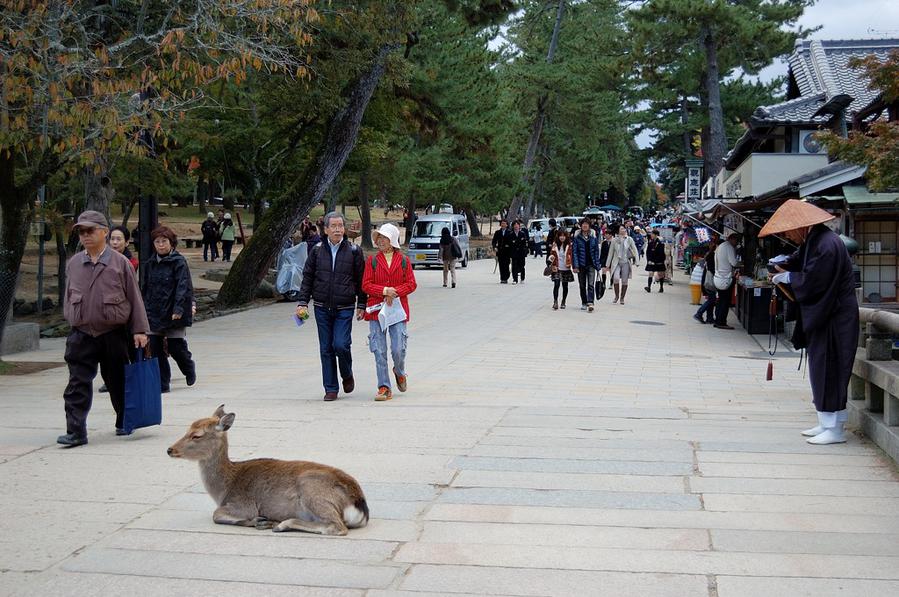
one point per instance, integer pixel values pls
(374, 262)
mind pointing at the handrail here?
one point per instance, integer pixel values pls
(885, 320)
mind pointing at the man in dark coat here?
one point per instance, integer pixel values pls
(332, 279)
(820, 277)
(503, 240)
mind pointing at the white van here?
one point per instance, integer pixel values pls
(425, 242)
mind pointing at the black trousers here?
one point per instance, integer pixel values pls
(226, 249)
(504, 259)
(162, 348)
(518, 262)
(83, 354)
(722, 306)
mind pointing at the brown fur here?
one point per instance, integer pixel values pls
(267, 493)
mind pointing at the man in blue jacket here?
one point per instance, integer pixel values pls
(332, 278)
(585, 262)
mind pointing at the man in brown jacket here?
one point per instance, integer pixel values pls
(104, 307)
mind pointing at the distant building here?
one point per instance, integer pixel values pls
(777, 158)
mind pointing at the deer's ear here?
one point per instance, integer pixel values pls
(225, 422)
(219, 412)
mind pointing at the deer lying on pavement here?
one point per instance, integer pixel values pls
(265, 493)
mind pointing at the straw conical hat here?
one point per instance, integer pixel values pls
(794, 214)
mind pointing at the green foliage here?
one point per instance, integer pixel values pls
(878, 146)
(670, 68)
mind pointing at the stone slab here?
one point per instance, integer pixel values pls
(597, 482)
(652, 561)
(486, 580)
(558, 465)
(745, 586)
(568, 498)
(856, 544)
(198, 566)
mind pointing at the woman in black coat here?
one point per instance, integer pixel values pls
(820, 278)
(520, 241)
(655, 261)
(169, 301)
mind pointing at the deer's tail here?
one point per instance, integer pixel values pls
(356, 516)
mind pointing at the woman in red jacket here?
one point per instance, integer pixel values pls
(388, 276)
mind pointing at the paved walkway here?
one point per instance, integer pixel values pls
(630, 451)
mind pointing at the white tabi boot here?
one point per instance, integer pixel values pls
(816, 429)
(833, 429)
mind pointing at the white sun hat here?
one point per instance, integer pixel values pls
(389, 231)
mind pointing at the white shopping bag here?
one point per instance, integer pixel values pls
(391, 314)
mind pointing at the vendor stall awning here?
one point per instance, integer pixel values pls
(859, 195)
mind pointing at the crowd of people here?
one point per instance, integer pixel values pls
(109, 313)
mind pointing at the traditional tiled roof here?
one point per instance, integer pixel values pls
(799, 111)
(822, 66)
(820, 71)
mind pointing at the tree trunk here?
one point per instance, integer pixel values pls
(685, 120)
(98, 190)
(333, 196)
(473, 229)
(365, 211)
(410, 221)
(14, 220)
(59, 230)
(127, 208)
(285, 215)
(717, 138)
(537, 127)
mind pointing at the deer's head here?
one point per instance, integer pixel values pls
(204, 437)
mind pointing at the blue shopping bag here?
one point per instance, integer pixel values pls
(143, 394)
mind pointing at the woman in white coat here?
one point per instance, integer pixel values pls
(622, 253)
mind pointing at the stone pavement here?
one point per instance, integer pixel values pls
(630, 451)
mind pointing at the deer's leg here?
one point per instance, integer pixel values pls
(328, 519)
(229, 514)
(319, 528)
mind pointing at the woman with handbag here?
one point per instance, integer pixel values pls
(819, 275)
(448, 252)
(560, 266)
(708, 287)
(655, 262)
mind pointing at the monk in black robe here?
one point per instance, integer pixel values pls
(821, 279)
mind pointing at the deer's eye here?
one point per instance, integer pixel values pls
(198, 436)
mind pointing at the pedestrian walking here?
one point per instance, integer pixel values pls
(639, 241)
(820, 277)
(585, 263)
(227, 234)
(604, 247)
(388, 277)
(725, 278)
(210, 231)
(104, 309)
(169, 301)
(332, 280)
(448, 253)
(519, 252)
(502, 246)
(561, 263)
(708, 287)
(118, 240)
(622, 252)
(655, 261)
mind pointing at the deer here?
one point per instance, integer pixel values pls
(266, 493)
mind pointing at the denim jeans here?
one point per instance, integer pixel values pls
(586, 278)
(708, 308)
(210, 247)
(377, 343)
(335, 328)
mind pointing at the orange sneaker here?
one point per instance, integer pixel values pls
(400, 381)
(384, 394)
